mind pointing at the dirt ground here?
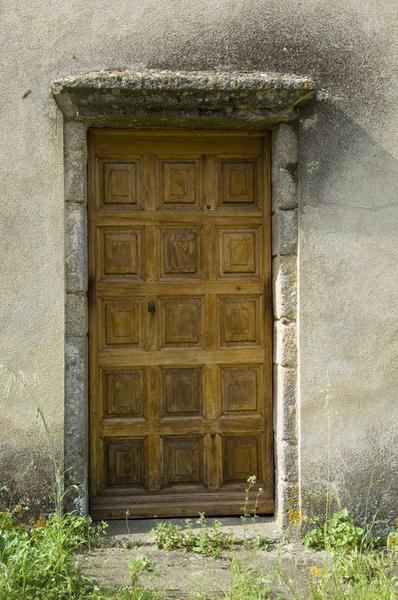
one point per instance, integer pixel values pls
(184, 575)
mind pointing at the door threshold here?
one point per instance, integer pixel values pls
(139, 531)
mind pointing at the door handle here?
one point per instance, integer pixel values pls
(151, 307)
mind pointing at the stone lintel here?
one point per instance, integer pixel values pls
(182, 99)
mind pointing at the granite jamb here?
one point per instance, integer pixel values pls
(284, 266)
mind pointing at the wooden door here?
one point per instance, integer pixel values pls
(180, 322)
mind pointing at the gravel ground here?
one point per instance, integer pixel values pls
(184, 575)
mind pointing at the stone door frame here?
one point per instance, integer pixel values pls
(190, 101)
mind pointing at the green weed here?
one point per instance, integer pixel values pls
(208, 541)
(37, 558)
(134, 591)
(339, 533)
(356, 575)
(246, 584)
(249, 513)
(139, 565)
(211, 541)
(257, 543)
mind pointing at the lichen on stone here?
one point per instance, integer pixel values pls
(123, 96)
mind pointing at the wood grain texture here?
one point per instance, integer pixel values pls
(180, 322)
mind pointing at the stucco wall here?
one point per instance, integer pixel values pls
(348, 212)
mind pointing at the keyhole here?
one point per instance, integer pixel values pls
(151, 307)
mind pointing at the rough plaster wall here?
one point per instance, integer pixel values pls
(348, 202)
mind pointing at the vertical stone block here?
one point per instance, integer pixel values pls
(285, 407)
(285, 350)
(76, 318)
(75, 162)
(76, 415)
(285, 144)
(287, 461)
(288, 506)
(76, 248)
(284, 187)
(284, 270)
(284, 232)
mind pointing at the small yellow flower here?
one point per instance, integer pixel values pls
(18, 510)
(315, 571)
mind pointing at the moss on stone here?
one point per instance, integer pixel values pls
(182, 99)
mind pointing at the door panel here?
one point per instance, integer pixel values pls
(180, 322)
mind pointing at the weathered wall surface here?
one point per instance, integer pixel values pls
(348, 216)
